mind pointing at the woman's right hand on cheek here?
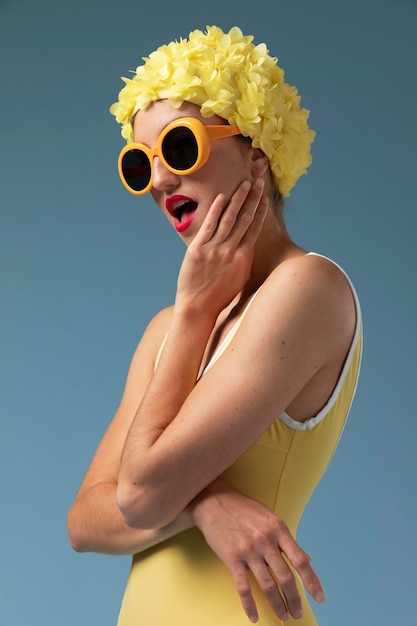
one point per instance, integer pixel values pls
(218, 260)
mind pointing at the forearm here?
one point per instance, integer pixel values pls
(215, 269)
(143, 459)
(95, 524)
(172, 382)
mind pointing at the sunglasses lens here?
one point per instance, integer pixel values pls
(136, 169)
(180, 148)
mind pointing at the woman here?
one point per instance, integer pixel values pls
(237, 395)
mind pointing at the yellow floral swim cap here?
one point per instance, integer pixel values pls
(225, 74)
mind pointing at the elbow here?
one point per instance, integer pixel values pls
(131, 502)
(77, 545)
(76, 538)
(140, 508)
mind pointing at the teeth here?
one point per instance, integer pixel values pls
(180, 204)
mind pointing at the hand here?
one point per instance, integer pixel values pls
(246, 535)
(218, 260)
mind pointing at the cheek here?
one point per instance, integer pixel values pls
(229, 166)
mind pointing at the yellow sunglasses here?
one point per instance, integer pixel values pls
(183, 147)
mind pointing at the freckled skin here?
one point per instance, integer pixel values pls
(155, 473)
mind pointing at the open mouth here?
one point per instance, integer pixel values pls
(184, 211)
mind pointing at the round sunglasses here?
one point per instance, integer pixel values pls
(183, 147)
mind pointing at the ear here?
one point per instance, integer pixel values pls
(260, 162)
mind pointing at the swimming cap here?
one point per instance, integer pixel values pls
(226, 74)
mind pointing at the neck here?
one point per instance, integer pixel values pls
(274, 246)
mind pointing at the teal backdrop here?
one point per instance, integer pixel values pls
(84, 266)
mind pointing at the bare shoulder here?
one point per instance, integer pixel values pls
(313, 281)
(319, 271)
(142, 365)
(299, 330)
(159, 324)
(307, 303)
(154, 334)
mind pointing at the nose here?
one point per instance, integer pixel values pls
(163, 178)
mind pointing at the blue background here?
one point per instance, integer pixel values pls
(84, 266)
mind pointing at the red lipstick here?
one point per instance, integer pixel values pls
(182, 209)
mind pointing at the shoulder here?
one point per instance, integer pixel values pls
(306, 299)
(310, 278)
(319, 269)
(159, 324)
(151, 341)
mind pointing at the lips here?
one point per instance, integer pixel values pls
(183, 210)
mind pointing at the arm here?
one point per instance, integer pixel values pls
(215, 269)
(184, 435)
(236, 527)
(96, 525)
(94, 520)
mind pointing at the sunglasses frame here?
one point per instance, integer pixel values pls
(203, 135)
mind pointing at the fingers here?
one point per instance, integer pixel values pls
(249, 537)
(274, 576)
(242, 217)
(211, 221)
(301, 563)
(310, 579)
(239, 217)
(242, 584)
(283, 576)
(269, 586)
(276, 582)
(252, 233)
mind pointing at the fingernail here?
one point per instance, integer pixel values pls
(246, 185)
(320, 596)
(298, 613)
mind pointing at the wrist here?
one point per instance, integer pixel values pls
(190, 330)
(202, 507)
(192, 312)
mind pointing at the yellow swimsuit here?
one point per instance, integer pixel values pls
(181, 582)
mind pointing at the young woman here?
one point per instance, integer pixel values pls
(237, 394)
